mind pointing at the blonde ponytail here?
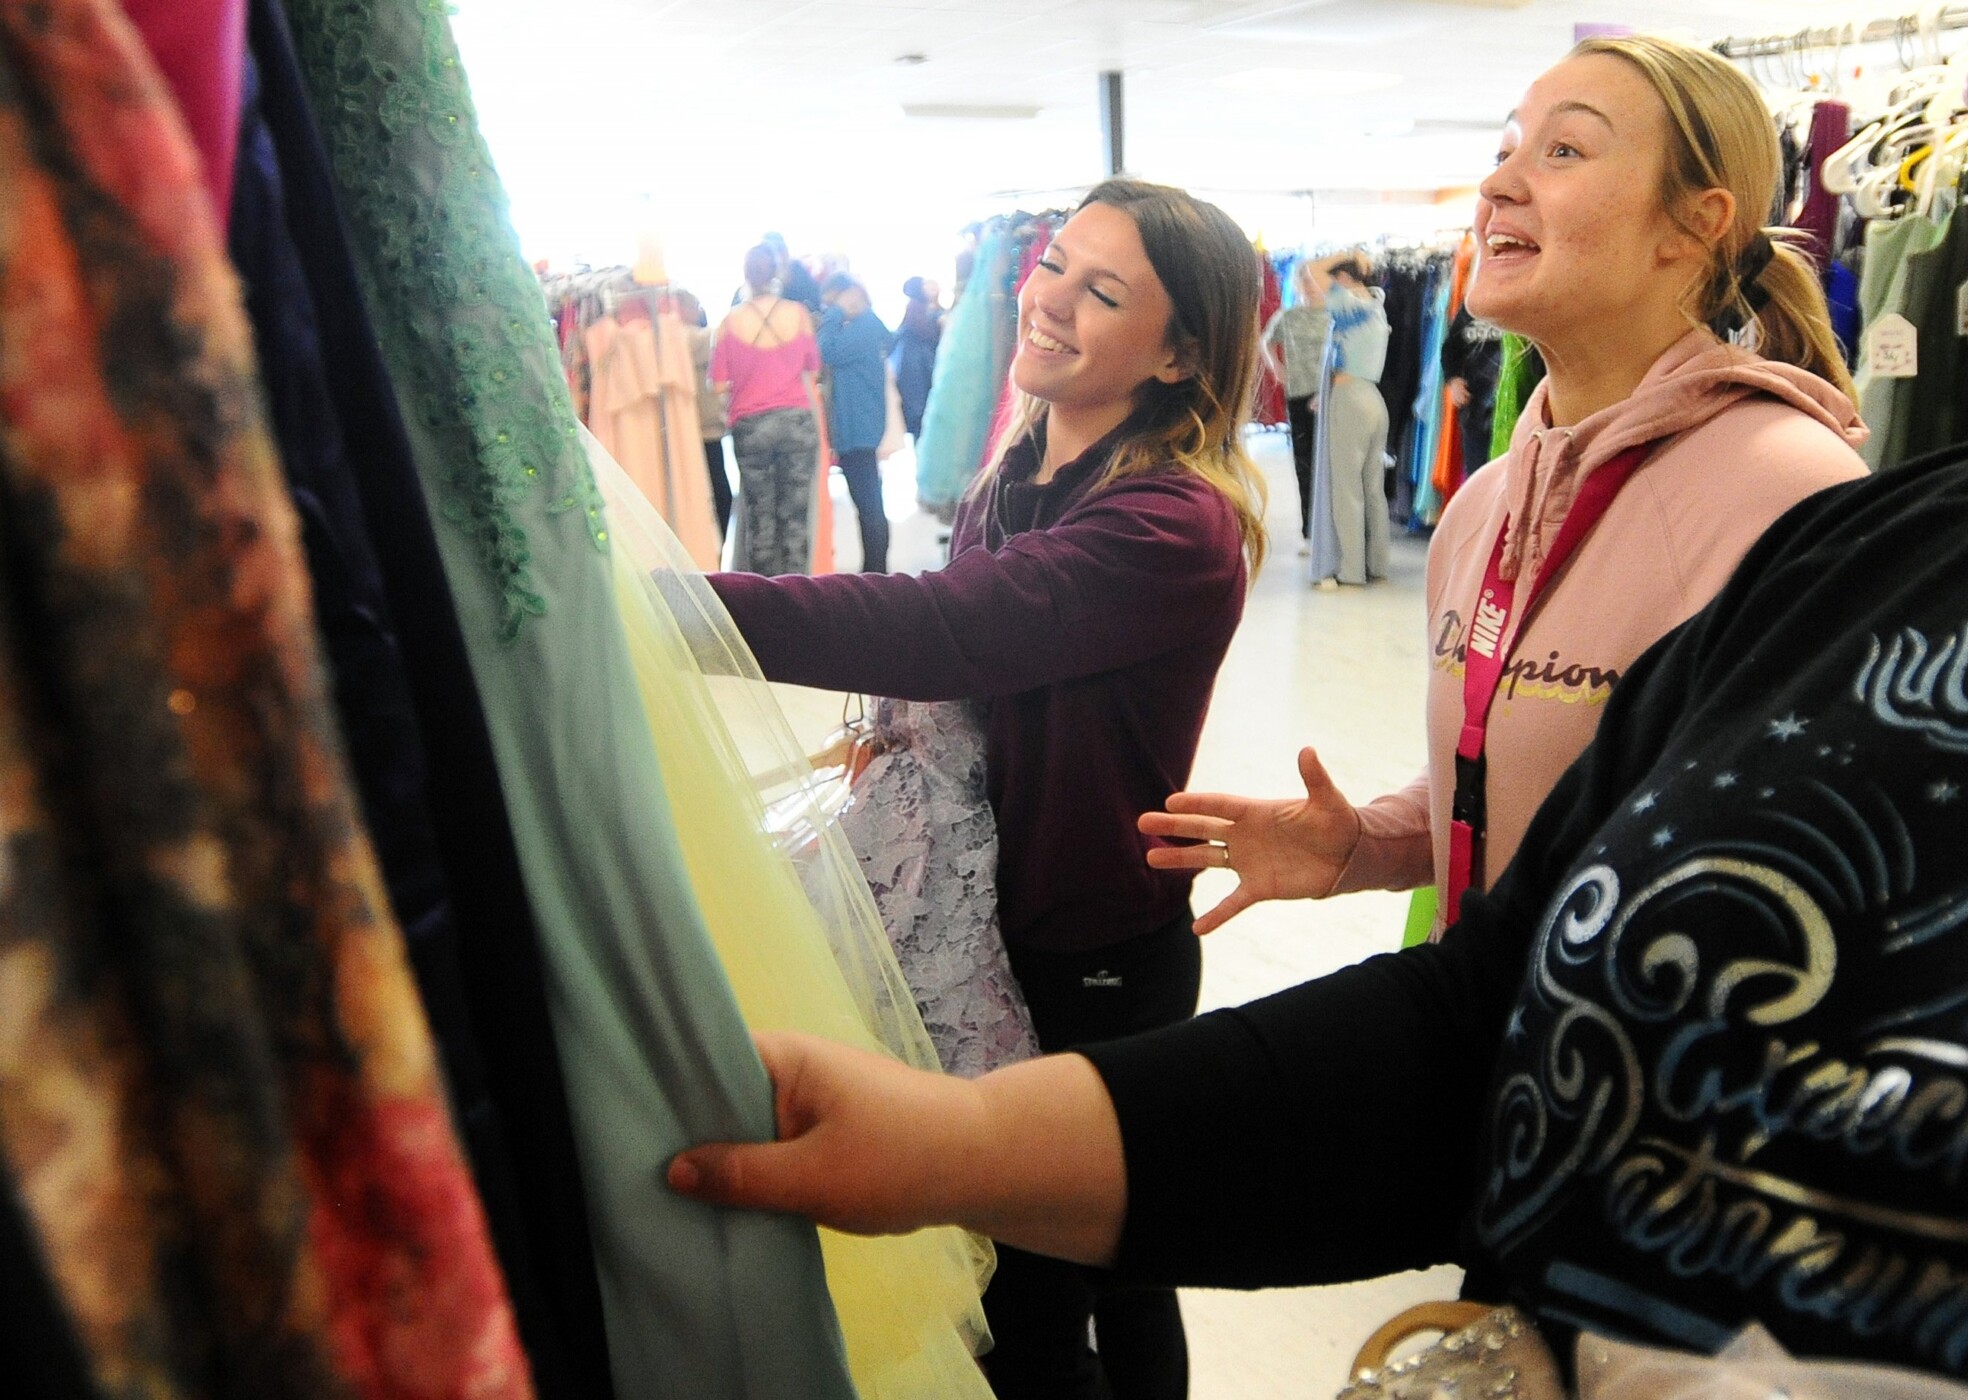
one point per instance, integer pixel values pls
(1786, 301)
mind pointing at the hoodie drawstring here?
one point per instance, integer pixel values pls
(1523, 546)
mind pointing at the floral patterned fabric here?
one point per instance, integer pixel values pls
(219, 1101)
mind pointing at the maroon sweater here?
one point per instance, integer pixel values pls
(1094, 626)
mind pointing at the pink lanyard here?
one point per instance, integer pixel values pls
(1485, 660)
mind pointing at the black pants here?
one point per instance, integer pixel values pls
(863, 475)
(1303, 420)
(1477, 419)
(720, 484)
(1038, 1307)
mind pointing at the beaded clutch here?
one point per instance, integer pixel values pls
(1484, 1354)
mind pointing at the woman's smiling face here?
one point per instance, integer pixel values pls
(1093, 318)
(1573, 239)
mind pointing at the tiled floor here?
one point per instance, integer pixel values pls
(1343, 671)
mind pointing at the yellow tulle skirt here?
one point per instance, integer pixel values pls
(801, 942)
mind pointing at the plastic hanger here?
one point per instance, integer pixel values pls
(1912, 162)
(1942, 170)
(1883, 140)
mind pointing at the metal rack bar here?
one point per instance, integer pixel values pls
(1878, 31)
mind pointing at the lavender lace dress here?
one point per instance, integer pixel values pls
(923, 831)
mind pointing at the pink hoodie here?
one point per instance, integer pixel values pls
(1741, 440)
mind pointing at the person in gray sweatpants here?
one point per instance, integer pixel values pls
(1349, 529)
(1353, 431)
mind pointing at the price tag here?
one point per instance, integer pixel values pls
(1961, 309)
(1893, 348)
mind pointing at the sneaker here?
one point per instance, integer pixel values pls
(1305, 549)
(1326, 585)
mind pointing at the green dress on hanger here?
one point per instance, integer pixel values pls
(1515, 381)
(1886, 289)
(1938, 415)
(1929, 301)
(699, 1303)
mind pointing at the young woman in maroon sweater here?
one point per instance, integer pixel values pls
(1097, 572)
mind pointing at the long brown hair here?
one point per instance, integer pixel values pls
(1211, 274)
(1721, 137)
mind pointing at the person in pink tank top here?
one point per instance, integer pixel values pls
(765, 361)
(1690, 352)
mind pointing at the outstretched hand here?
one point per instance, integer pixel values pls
(1281, 849)
(857, 1134)
(1030, 1155)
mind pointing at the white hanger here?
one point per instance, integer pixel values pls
(1903, 123)
(1841, 170)
(1944, 115)
(1950, 90)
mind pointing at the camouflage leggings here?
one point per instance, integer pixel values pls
(778, 453)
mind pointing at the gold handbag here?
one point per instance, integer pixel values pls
(1485, 1353)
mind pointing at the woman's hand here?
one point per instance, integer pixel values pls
(861, 1140)
(1030, 1155)
(1280, 849)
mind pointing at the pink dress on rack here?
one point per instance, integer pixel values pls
(1028, 263)
(200, 47)
(1270, 407)
(643, 409)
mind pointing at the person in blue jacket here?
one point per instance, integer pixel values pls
(854, 348)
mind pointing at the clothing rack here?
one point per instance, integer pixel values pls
(1020, 216)
(1410, 250)
(585, 281)
(575, 301)
(1878, 31)
(1874, 178)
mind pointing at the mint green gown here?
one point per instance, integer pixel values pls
(700, 1304)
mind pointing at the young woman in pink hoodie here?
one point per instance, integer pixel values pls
(1622, 233)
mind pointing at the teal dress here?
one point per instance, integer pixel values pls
(1428, 406)
(700, 1303)
(971, 363)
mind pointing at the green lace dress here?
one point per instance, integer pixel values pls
(699, 1303)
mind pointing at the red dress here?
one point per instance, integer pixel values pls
(1270, 409)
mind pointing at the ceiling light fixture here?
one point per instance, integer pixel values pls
(969, 111)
